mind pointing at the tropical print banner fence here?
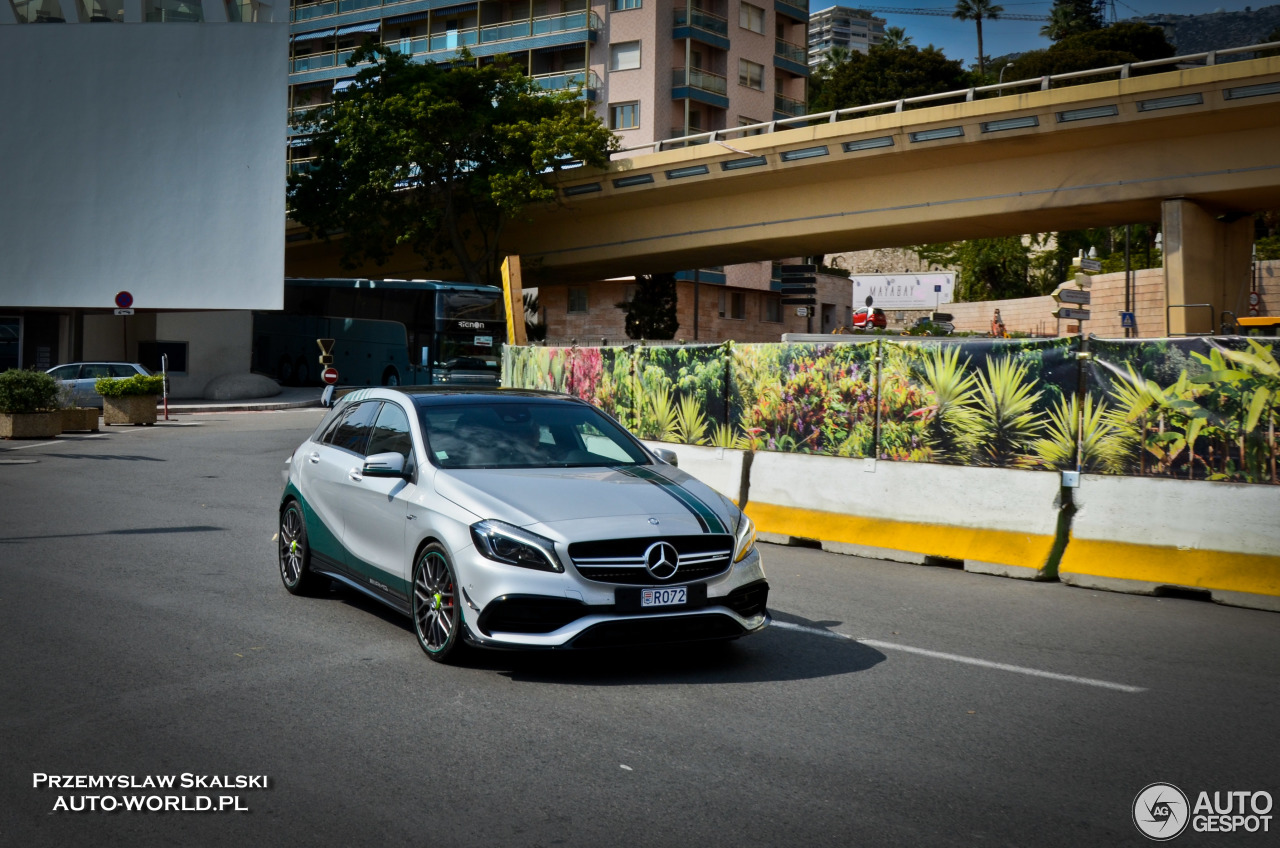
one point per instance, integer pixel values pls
(1191, 408)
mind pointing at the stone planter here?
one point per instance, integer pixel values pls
(30, 425)
(80, 418)
(130, 409)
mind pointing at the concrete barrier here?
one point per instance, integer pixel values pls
(995, 521)
(1146, 535)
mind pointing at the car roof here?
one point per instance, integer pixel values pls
(453, 395)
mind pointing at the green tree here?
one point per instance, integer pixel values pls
(1116, 45)
(976, 11)
(895, 38)
(438, 158)
(883, 74)
(990, 268)
(1072, 17)
(651, 311)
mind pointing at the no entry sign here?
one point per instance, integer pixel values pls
(329, 375)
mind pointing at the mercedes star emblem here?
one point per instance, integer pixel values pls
(661, 560)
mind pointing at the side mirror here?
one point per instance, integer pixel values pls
(385, 465)
(667, 456)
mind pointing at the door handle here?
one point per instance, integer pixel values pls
(315, 457)
(355, 475)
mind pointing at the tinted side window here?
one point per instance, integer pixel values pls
(65, 372)
(353, 432)
(391, 433)
(95, 370)
(122, 371)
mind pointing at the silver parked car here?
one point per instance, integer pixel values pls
(514, 519)
(81, 376)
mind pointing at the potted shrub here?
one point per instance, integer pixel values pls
(28, 405)
(131, 400)
(75, 417)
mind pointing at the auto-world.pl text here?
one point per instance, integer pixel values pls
(152, 802)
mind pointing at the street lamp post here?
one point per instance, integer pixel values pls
(1001, 78)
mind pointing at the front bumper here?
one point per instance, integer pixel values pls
(516, 608)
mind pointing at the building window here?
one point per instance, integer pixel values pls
(771, 309)
(624, 56)
(733, 305)
(624, 5)
(744, 121)
(750, 74)
(624, 116)
(751, 17)
(577, 298)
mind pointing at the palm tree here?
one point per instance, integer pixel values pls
(895, 38)
(1061, 24)
(976, 10)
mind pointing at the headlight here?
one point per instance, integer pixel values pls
(746, 542)
(503, 542)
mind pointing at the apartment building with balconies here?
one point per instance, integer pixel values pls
(842, 27)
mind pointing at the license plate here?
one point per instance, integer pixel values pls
(664, 597)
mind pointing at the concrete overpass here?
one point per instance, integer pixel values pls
(1197, 148)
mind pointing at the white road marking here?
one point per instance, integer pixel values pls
(939, 655)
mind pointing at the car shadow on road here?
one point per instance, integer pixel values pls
(774, 655)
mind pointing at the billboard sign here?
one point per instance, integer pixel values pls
(907, 290)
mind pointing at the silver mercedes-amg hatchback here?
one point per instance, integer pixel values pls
(514, 519)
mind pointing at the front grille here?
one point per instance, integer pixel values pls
(623, 560)
(658, 631)
(748, 601)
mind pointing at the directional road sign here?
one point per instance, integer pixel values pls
(329, 375)
(792, 270)
(1090, 264)
(1066, 295)
(1074, 314)
(790, 289)
(798, 301)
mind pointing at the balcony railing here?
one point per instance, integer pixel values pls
(798, 10)
(788, 105)
(330, 7)
(702, 20)
(793, 52)
(699, 79)
(311, 63)
(565, 80)
(492, 33)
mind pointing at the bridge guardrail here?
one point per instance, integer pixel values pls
(1045, 83)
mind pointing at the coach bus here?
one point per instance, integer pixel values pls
(385, 332)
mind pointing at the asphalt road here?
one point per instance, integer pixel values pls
(145, 632)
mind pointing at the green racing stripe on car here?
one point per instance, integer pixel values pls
(325, 543)
(706, 516)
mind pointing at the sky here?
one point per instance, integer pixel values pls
(959, 39)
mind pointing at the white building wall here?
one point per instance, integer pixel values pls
(146, 158)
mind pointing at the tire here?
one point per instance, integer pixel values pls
(437, 616)
(302, 370)
(391, 377)
(284, 371)
(295, 553)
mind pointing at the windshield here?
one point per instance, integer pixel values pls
(501, 434)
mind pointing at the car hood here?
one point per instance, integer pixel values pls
(527, 496)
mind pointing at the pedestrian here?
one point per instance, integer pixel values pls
(997, 327)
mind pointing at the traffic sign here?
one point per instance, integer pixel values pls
(798, 279)
(325, 359)
(793, 301)
(1066, 295)
(789, 289)
(1074, 314)
(124, 311)
(788, 270)
(1090, 264)
(802, 311)
(329, 375)
(1084, 281)
(1254, 298)
(1128, 321)
(326, 346)
(124, 300)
